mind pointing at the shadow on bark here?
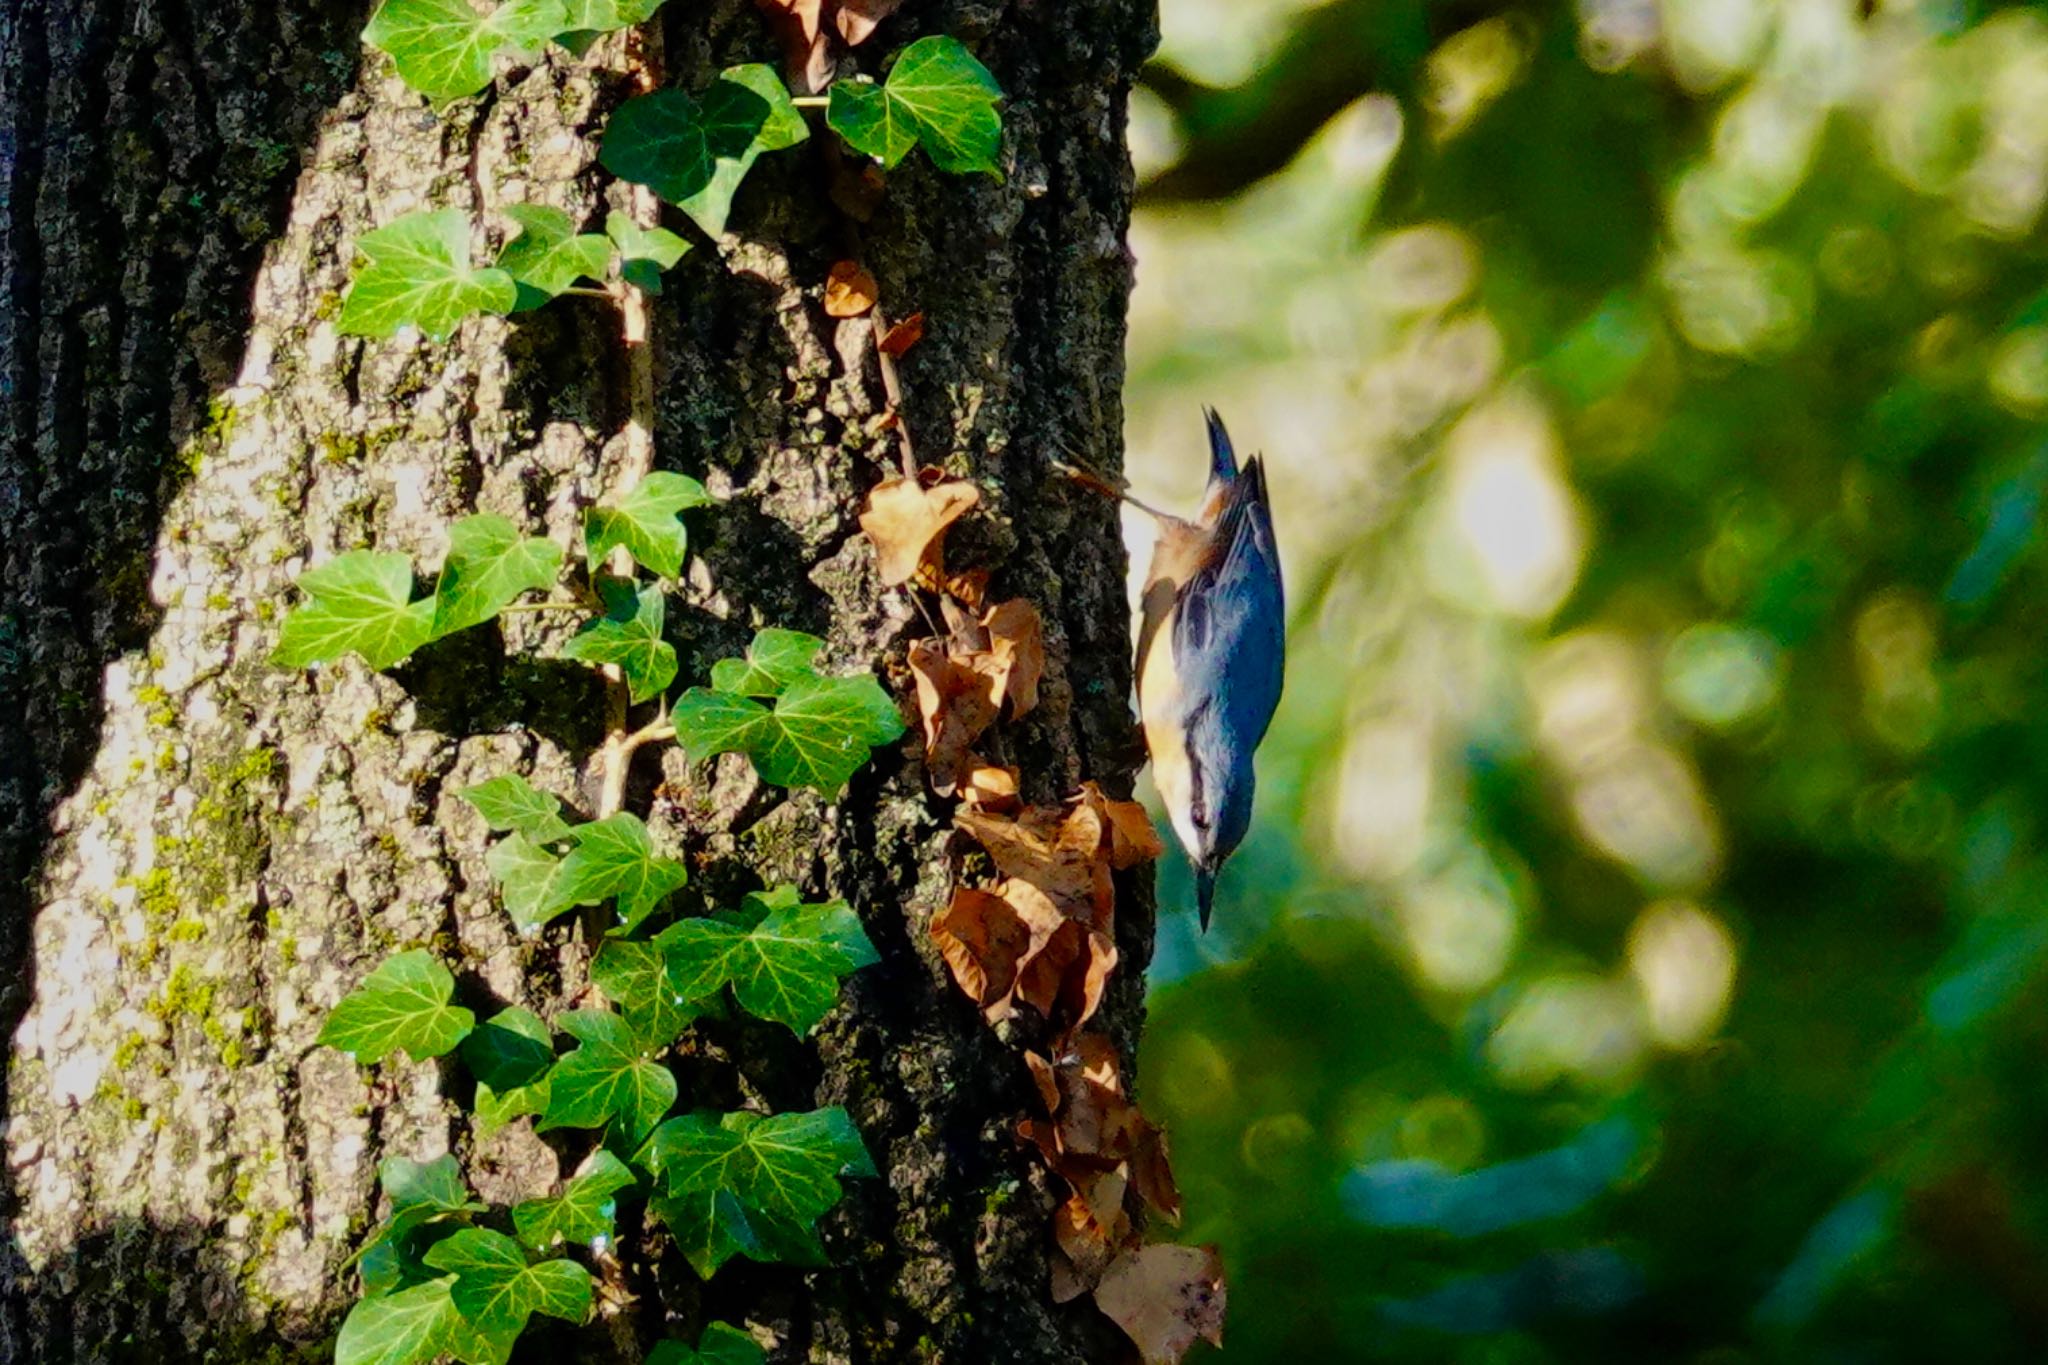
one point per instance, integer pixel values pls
(147, 156)
(118, 1296)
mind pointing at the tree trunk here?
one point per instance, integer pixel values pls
(203, 851)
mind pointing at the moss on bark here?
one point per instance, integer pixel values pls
(205, 852)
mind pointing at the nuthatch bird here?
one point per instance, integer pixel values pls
(1211, 644)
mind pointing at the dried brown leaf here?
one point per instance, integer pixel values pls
(968, 586)
(1091, 1227)
(1152, 1173)
(1017, 639)
(1058, 849)
(982, 939)
(806, 43)
(1081, 994)
(1165, 1297)
(1041, 979)
(1041, 1074)
(907, 523)
(1067, 1284)
(857, 18)
(956, 700)
(903, 335)
(1132, 838)
(989, 786)
(849, 290)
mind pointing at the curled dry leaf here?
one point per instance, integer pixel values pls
(907, 522)
(1056, 863)
(903, 335)
(1017, 640)
(1058, 849)
(956, 698)
(1152, 1173)
(969, 586)
(982, 939)
(1165, 1298)
(849, 290)
(858, 18)
(989, 786)
(806, 43)
(1091, 1227)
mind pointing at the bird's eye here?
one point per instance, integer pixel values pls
(1198, 811)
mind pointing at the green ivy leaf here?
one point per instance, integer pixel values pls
(582, 1212)
(489, 563)
(605, 16)
(614, 857)
(722, 1344)
(776, 659)
(510, 1054)
(937, 94)
(529, 880)
(360, 601)
(782, 959)
(740, 1183)
(416, 273)
(634, 974)
(443, 48)
(606, 1079)
(403, 1004)
(409, 1327)
(548, 256)
(820, 732)
(695, 152)
(511, 803)
(648, 522)
(497, 1290)
(421, 1192)
(632, 640)
(643, 252)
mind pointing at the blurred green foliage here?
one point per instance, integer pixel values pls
(1639, 954)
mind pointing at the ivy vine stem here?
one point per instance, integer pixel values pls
(643, 60)
(810, 101)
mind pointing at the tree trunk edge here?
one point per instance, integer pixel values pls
(141, 150)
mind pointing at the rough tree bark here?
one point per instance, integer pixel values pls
(202, 852)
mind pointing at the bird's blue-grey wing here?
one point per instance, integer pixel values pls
(1229, 628)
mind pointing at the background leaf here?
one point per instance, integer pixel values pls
(405, 1003)
(509, 1054)
(606, 1079)
(633, 642)
(614, 857)
(938, 95)
(634, 975)
(695, 152)
(548, 255)
(819, 734)
(443, 48)
(741, 1183)
(774, 660)
(647, 522)
(582, 1212)
(359, 602)
(721, 1344)
(416, 273)
(496, 1290)
(529, 881)
(409, 1327)
(644, 253)
(510, 802)
(782, 959)
(489, 563)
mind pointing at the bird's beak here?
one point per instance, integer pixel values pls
(1205, 893)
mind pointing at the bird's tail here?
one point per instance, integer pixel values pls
(1222, 456)
(1205, 893)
